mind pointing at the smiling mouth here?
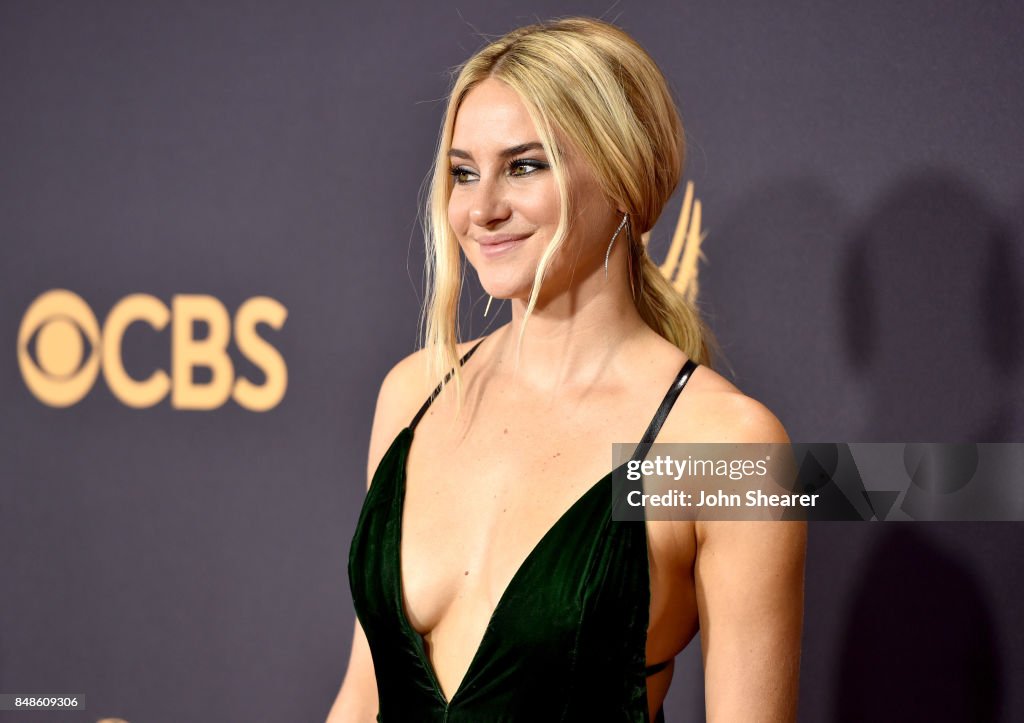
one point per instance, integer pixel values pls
(492, 248)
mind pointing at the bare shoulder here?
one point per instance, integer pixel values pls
(405, 387)
(722, 413)
(713, 409)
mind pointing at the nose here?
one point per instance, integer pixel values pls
(490, 203)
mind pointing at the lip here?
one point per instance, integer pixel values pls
(499, 243)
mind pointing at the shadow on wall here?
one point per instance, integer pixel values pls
(899, 324)
(932, 309)
(920, 643)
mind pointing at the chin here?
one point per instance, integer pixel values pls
(506, 288)
(500, 293)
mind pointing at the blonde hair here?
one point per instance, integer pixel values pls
(594, 84)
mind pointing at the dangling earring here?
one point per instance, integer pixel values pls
(488, 307)
(640, 260)
(629, 264)
(625, 217)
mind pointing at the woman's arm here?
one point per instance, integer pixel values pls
(357, 699)
(749, 581)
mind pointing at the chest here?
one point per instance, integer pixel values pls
(479, 502)
(476, 507)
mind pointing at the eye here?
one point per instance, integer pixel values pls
(459, 173)
(527, 165)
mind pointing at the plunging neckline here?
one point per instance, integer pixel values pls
(417, 639)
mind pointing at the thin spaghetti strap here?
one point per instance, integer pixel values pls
(666, 406)
(437, 390)
(657, 667)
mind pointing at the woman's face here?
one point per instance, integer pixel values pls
(504, 204)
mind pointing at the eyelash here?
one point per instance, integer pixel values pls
(512, 165)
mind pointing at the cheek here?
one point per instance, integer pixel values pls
(540, 204)
(458, 214)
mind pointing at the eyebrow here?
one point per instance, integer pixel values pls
(513, 151)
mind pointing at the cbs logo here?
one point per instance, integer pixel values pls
(63, 371)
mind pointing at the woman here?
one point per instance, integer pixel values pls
(489, 580)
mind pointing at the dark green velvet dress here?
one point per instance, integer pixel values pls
(567, 639)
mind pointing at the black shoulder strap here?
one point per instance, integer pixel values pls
(437, 390)
(657, 667)
(666, 406)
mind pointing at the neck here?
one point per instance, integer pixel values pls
(573, 338)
